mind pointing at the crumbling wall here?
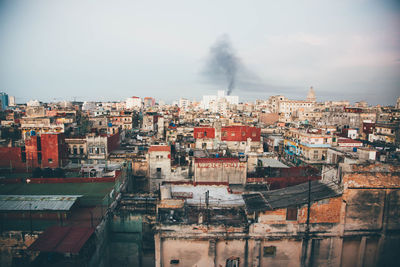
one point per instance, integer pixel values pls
(187, 252)
(13, 248)
(287, 252)
(364, 209)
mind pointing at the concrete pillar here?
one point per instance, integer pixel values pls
(361, 252)
(158, 250)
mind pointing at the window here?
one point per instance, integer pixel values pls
(291, 214)
(50, 160)
(174, 261)
(315, 154)
(75, 150)
(224, 133)
(232, 262)
(81, 150)
(269, 251)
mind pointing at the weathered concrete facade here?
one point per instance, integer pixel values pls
(356, 226)
(226, 170)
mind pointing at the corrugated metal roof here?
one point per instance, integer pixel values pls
(37, 203)
(290, 196)
(273, 163)
(62, 239)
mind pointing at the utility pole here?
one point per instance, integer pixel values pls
(207, 210)
(305, 258)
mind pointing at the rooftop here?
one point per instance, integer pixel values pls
(159, 148)
(67, 239)
(273, 163)
(37, 203)
(218, 195)
(92, 193)
(290, 196)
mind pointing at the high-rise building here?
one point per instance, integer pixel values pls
(4, 101)
(11, 101)
(220, 97)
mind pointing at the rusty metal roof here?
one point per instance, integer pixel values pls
(290, 196)
(62, 239)
(37, 203)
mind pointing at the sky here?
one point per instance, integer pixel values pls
(110, 50)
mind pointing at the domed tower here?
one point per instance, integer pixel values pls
(311, 95)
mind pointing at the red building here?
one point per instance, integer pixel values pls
(54, 150)
(12, 158)
(47, 150)
(204, 132)
(240, 133)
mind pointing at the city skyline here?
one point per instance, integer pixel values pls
(70, 50)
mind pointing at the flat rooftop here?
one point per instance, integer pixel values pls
(218, 195)
(92, 193)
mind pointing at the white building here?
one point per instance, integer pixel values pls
(11, 101)
(87, 106)
(220, 97)
(184, 103)
(33, 103)
(133, 102)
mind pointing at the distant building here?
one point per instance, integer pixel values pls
(33, 103)
(133, 102)
(149, 102)
(3, 101)
(311, 95)
(209, 100)
(11, 101)
(184, 103)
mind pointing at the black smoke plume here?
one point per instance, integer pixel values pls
(222, 63)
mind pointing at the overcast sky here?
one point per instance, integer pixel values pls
(110, 50)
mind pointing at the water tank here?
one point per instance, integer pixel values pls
(165, 192)
(354, 149)
(33, 133)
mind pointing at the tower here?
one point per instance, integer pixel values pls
(311, 95)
